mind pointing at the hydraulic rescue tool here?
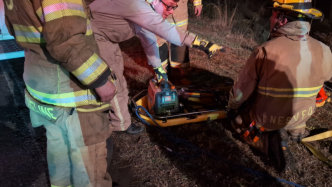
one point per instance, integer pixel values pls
(162, 98)
(168, 105)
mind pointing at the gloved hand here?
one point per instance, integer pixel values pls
(161, 73)
(208, 47)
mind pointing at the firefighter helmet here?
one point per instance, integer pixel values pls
(302, 7)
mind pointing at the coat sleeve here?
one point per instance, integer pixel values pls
(247, 80)
(150, 46)
(69, 40)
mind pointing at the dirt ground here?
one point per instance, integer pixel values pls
(209, 154)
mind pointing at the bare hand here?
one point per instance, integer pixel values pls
(106, 92)
(198, 10)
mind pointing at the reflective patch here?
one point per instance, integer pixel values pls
(181, 23)
(28, 34)
(90, 70)
(46, 111)
(289, 92)
(42, 110)
(197, 2)
(70, 99)
(88, 28)
(55, 9)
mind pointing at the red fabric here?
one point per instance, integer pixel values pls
(321, 96)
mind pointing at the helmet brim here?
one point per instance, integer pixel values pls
(318, 14)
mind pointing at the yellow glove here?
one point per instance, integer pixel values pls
(208, 47)
(160, 73)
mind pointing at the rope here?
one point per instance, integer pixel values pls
(200, 151)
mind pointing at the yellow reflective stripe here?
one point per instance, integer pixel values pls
(25, 28)
(291, 89)
(197, 2)
(103, 107)
(88, 29)
(181, 23)
(55, 9)
(71, 99)
(39, 13)
(29, 40)
(52, 2)
(64, 13)
(90, 70)
(164, 63)
(52, 185)
(175, 64)
(292, 1)
(28, 34)
(289, 92)
(286, 95)
(40, 29)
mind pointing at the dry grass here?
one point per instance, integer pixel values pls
(221, 15)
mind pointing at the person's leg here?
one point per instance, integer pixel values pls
(58, 160)
(179, 55)
(111, 53)
(119, 115)
(87, 134)
(53, 119)
(297, 132)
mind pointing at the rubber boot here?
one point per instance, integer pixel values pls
(134, 129)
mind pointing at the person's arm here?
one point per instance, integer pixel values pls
(150, 46)
(69, 41)
(144, 16)
(247, 80)
(197, 7)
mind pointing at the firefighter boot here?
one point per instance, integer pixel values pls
(134, 129)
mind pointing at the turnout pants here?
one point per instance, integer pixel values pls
(76, 144)
(119, 113)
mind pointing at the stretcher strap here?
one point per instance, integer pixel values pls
(315, 152)
(316, 137)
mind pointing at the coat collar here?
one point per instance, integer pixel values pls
(295, 30)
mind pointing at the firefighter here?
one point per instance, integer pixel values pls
(278, 85)
(175, 59)
(68, 87)
(118, 20)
